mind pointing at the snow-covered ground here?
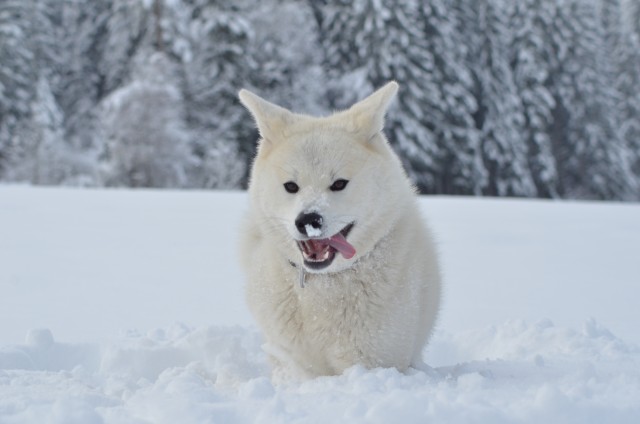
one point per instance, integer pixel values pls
(127, 307)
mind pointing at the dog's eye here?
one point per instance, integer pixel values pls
(338, 185)
(291, 187)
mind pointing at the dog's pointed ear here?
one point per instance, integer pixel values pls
(270, 118)
(368, 114)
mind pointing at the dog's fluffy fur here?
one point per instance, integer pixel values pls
(329, 308)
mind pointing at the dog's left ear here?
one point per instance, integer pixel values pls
(368, 114)
(270, 118)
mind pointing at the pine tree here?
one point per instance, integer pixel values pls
(500, 113)
(546, 102)
(30, 63)
(632, 11)
(451, 107)
(18, 74)
(44, 157)
(592, 160)
(285, 49)
(47, 144)
(628, 84)
(624, 69)
(80, 84)
(432, 128)
(37, 135)
(144, 125)
(532, 61)
(218, 68)
(126, 25)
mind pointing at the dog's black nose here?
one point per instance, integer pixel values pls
(308, 220)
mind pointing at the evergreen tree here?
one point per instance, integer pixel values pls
(38, 134)
(632, 11)
(126, 26)
(46, 141)
(545, 103)
(30, 60)
(624, 70)
(144, 126)
(592, 160)
(532, 62)
(44, 156)
(451, 106)
(500, 114)
(18, 74)
(415, 44)
(285, 49)
(218, 68)
(80, 84)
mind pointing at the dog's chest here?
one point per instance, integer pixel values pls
(335, 305)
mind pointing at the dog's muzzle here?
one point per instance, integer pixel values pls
(319, 253)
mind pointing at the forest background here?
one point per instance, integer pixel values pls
(530, 98)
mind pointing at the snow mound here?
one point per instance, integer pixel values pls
(78, 266)
(514, 372)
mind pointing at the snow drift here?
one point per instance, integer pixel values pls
(133, 313)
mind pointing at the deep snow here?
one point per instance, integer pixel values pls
(127, 307)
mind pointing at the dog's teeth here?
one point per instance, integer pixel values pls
(315, 250)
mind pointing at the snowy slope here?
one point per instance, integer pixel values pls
(127, 307)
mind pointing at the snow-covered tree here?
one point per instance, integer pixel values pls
(623, 66)
(632, 13)
(450, 105)
(628, 83)
(78, 86)
(126, 25)
(147, 143)
(285, 47)
(592, 159)
(218, 67)
(532, 62)
(500, 114)
(37, 157)
(29, 115)
(45, 157)
(18, 74)
(416, 44)
(522, 97)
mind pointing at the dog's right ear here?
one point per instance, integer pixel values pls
(271, 119)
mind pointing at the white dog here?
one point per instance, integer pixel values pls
(341, 268)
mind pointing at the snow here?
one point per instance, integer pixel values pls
(127, 307)
(311, 231)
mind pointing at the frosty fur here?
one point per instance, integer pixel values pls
(376, 309)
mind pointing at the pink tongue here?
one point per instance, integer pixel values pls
(341, 244)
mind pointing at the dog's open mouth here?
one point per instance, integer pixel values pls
(320, 253)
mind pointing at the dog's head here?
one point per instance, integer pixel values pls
(325, 190)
